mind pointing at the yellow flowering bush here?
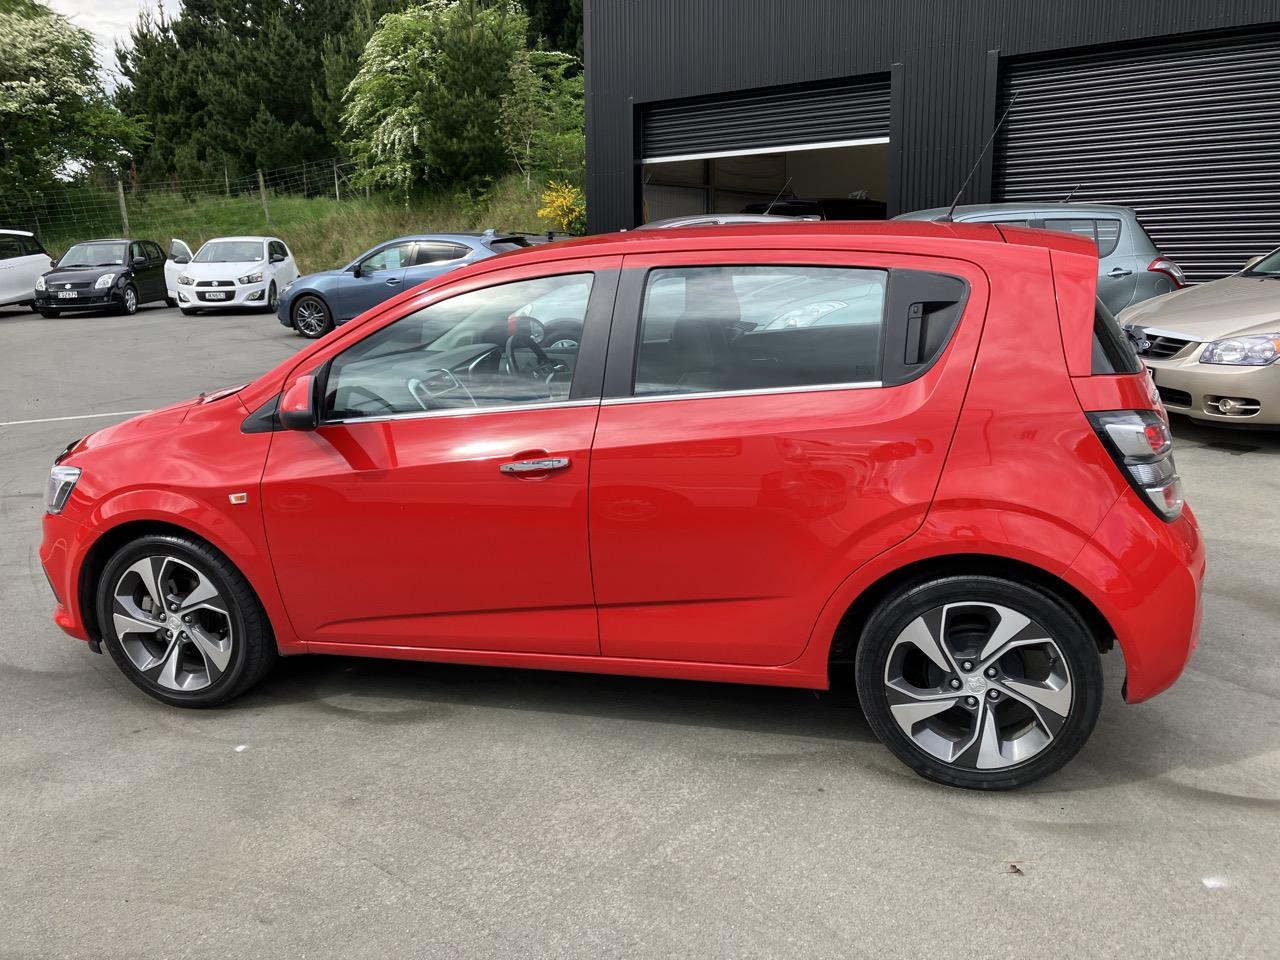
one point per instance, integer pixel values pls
(565, 206)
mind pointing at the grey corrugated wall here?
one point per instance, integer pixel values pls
(641, 51)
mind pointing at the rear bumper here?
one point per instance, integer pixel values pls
(1146, 577)
(62, 550)
(1194, 389)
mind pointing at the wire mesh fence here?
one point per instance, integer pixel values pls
(64, 214)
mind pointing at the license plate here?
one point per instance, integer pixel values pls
(67, 294)
(216, 296)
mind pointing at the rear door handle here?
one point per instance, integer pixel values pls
(1118, 272)
(392, 281)
(540, 465)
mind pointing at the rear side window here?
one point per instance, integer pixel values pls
(1112, 349)
(729, 328)
(31, 247)
(10, 247)
(439, 252)
(1104, 232)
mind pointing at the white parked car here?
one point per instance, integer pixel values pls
(229, 272)
(22, 261)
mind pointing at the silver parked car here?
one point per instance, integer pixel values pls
(1130, 266)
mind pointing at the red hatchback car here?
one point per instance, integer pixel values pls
(755, 454)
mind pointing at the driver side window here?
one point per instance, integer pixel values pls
(484, 348)
(388, 258)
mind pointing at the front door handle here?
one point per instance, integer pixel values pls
(540, 465)
(1117, 272)
(391, 281)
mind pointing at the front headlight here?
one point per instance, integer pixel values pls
(807, 315)
(184, 280)
(62, 480)
(251, 278)
(1251, 351)
(104, 281)
(39, 283)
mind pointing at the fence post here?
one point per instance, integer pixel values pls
(124, 211)
(337, 194)
(226, 180)
(262, 190)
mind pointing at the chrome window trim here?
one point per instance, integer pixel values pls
(465, 411)
(756, 392)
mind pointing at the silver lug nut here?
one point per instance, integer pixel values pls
(971, 701)
(991, 671)
(186, 618)
(991, 694)
(168, 634)
(173, 606)
(955, 683)
(968, 665)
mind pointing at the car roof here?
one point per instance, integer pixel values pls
(984, 209)
(901, 235)
(16, 233)
(217, 239)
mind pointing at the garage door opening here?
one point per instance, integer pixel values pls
(837, 182)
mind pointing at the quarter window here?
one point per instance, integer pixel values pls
(711, 329)
(439, 252)
(476, 350)
(1105, 233)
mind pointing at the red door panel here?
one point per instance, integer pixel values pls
(721, 525)
(405, 532)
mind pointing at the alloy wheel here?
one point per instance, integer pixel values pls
(978, 686)
(310, 317)
(130, 300)
(273, 299)
(172, 623)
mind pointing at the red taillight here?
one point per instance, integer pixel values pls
(1169, 269)
(1140, 443)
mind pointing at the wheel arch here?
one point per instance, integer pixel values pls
(294, 297)
(848, 632)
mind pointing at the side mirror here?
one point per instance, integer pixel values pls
(1253, 261)
(298, 405)
(182, 258)
(276, 258)
(53, 264)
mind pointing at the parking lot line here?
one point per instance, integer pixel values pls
(83, 416)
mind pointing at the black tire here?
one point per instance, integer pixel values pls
(975, 597)
(170, 302)
(128, 300)
(273, 299)
(558, 330)
(187, 312)
(50, 314)
(252, 647)
(311, 316)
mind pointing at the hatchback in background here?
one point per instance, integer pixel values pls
(22, 261)
(117, 274)
(230, 273)
(318, 302)
(1212, 349)
(1130, 267)
(772, 454)
(822, 208)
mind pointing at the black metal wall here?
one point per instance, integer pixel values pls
(943, 57)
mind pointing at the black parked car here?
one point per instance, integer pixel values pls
(103, 275)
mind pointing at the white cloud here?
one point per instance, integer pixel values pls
(109, 21)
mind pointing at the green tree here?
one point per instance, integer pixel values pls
(541, 118)
(556, 25)
(55, 120)
(424, 106)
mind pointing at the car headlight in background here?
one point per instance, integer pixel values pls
(39, 283)
(1252, 351)
(104, 281)
(806, 315)
(62, 480)
(251, 278)
(184, 280)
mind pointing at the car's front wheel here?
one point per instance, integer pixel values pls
(181, 622)
(311, 316)
(129, 300)
(273, 298)
(50, 314)
(979, 682)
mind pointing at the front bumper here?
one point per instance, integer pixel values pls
(1146, 577)
(62, 550)
(1197, 389)
(90, 299)
(242, 297)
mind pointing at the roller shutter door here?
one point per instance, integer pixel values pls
(1185, 132)
(763, 121)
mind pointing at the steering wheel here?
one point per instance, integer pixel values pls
(437, 382)
(544, 369)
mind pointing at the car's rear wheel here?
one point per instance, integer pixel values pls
(979, 682)
(182, 623)
(311, 316)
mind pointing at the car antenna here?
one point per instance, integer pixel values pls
(1067, 198)
(779, 196)
(946, 217)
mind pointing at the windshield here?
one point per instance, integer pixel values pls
(230, 251)
(94, 255)
(1268, 266)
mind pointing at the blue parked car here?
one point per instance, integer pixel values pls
(313, 305)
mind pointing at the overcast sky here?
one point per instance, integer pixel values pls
(108, 21)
